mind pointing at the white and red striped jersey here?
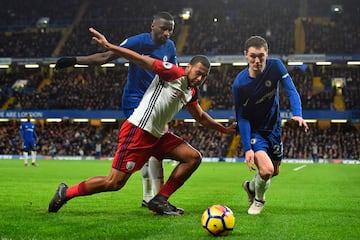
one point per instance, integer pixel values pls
(167, 94)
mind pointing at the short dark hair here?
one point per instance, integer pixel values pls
(165, 15)
(201, 59)
(257, 42)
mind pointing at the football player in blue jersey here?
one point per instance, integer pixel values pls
(156, 44)
(256, 99)
(28, 136)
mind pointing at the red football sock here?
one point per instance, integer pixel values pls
(170, 186)
(76, 190)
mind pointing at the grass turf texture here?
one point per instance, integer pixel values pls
(319, 201)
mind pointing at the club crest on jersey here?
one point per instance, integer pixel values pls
(165, 59)
(130, 165)
(167, 65)
(268, 83)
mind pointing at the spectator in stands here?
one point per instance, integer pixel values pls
(315, 152)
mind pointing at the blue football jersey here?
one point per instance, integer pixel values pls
(27, 131)
(257, 100)
(138, 78)
(28, 134)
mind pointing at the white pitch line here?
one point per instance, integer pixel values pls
(298, 168)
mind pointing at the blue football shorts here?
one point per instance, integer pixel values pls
(270, 143)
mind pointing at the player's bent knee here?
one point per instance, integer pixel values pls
(276, 172)
(195, 159)
(265, 176)
(266, 173)
(115, 182)
(276, 169)
(198, 161)
(198, 157)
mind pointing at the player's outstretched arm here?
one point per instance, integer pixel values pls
(207, 121)
(143, 61)
(93, 59)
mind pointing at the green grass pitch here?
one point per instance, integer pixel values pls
(318, 201)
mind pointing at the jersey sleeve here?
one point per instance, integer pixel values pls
(290, 89)
(132, 43)
(167, 71)
(293, 95)
(243, 124)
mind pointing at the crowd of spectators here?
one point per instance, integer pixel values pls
(76, 89)
(337, 141)
(219, 28)
(329, 31)
(101, 89)
(223, 26)
(65, 138)
(17, 14)
(209, 142)
(21, 33)
(8, 80)
(26, 44)
(98, 88)
(117, 20)
(216, 27)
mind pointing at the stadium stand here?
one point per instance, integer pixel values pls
(338, 141)
(220, 28)
(101, 88)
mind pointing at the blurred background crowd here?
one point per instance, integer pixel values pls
(37, 29)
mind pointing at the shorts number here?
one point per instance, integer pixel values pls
(277, 149)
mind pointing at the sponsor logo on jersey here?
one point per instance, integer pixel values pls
(268, 96)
